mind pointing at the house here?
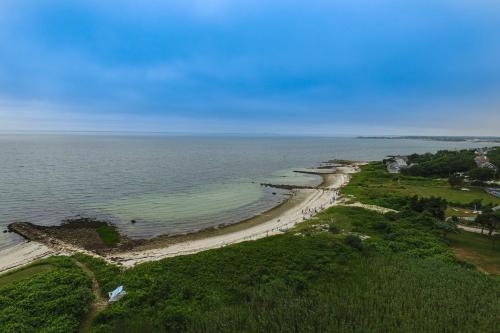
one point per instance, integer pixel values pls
(116, 294)
(396, 163)
(482, 161)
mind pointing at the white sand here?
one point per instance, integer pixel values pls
(22, 254)
(316, 201)
(375, 208)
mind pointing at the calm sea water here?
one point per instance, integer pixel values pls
(167, 184)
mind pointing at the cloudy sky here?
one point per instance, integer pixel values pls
(332, 67)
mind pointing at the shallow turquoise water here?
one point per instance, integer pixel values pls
(168, 184)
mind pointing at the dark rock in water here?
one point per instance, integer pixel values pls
(5, 231)
(287, 187)
(274, 193)
(133, 221)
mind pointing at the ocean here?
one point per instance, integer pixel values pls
(166, 184)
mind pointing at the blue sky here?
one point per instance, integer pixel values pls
(238, 66)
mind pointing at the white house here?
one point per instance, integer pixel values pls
(396, 164)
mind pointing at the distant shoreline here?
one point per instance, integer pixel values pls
(475, 139)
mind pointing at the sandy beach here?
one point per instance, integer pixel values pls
(304, 204)
(315, 201)
(22, 254)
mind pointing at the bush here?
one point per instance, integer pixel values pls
(333, 228)
(455, 181)
(53, 301)
(354, 241)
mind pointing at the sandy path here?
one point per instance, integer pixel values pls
(475, 230)
(316, 201)
(378, 209)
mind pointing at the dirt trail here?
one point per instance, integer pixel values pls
(99, 304)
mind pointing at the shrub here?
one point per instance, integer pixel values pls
(354, 241)
(333, 228)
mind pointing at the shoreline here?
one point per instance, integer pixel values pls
(314, 201)
(274, 221)
(295, 197)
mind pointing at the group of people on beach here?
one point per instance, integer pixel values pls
(310, 212)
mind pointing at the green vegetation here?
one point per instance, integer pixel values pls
(50, 296)
(494, 156)
(109, 235)
(442, 164)
(455, 180)
(365, 272)
(374, 185)
(24, 273)
(489, 220)
(346, 270)
(482, 175)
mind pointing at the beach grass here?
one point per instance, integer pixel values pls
(108, 235)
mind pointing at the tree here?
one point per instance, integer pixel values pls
(434, 205)
(455, 181)
(442, 164)
(493, 223)
(481, 174)
(489, 220)
(448, 226)
(476, 204)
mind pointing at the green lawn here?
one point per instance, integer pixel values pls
(480, 250)
(374, 185)
(440, 188)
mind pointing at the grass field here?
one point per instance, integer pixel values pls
(480, 250)
(374, 185)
